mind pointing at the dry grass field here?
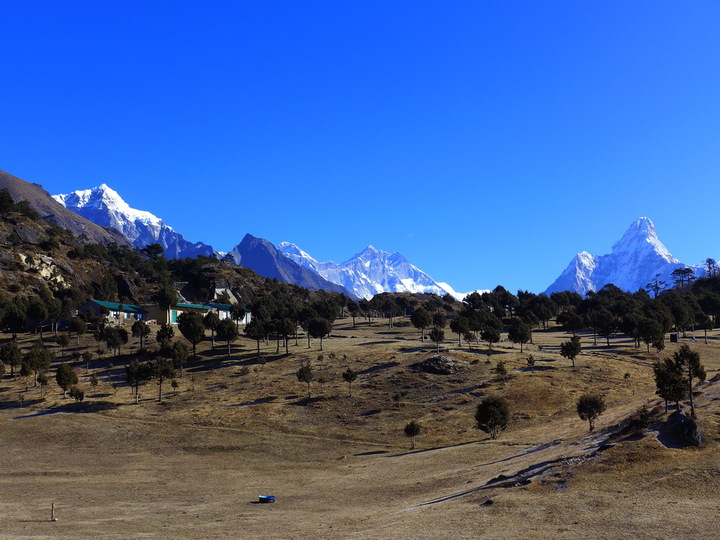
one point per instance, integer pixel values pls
(340, 467)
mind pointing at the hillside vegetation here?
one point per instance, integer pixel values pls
(310, 403)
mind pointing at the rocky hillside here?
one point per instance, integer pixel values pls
(49, 209)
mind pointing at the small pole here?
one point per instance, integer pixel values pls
(52, 512)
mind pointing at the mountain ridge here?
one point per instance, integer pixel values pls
(634, 261)
(371, 271)
(48, 208)
(264, 258)
(104, 206)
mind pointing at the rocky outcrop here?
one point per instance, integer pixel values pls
(439, 365)
(685, 428)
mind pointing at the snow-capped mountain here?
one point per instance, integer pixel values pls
(103, 206)
(370, 272)
(265, 259)
(634, 262)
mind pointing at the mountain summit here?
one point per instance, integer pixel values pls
(104, 206)
(370, 272)
(634, 261)
(264, 258)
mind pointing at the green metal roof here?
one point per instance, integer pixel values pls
(114, 306)
(192, 306)
(221, 307)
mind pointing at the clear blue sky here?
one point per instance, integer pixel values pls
(486, 141)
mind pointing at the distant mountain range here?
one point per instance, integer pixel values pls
(635, 260)
(264, 258)
(101, 215)
(370, 272)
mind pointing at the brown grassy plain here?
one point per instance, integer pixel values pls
(194, 465)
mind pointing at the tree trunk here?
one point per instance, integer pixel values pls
(692, 399)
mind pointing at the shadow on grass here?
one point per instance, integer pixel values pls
(73, 408)
(258, 401)
(15, 403)
(412, 349)
(468, 389)
(381, 342)
(386, 365)
(371, 453)
(307, 401)
(536, 368)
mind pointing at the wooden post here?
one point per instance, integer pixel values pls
(52, 512)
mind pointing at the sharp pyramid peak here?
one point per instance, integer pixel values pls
(642, 235)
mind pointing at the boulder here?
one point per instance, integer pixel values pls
(439, 365)
(685, 428)
(28, 235)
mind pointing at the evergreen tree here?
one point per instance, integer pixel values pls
(211, 322)
(192, 328)
(165, 334)
(140, 329)
(688, 361)
(492, 415)
(589, 407)
(519, 332)
(305, 375)
(421, 319)
(437, 335)
(570, 349)
(670, 382)
(349, 376)
(412, 430)
(11, 355)
(227, 331)
(66, 377)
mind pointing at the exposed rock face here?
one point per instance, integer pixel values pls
(439, 365)
(685, 428)
(104, 206)
(264, 258)
(51, 210)
(28, 235)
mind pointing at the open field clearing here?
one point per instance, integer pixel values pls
(194, 465)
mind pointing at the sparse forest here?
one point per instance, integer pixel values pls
(506, 368)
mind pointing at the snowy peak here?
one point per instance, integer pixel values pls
(104, 206)
(370, 272)
(104, 199)
(641, 237)
(634, 261)
(291, 249)
(264, 258)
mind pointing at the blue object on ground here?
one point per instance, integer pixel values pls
(266, 498)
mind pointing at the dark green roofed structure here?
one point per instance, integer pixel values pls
(118, 312)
